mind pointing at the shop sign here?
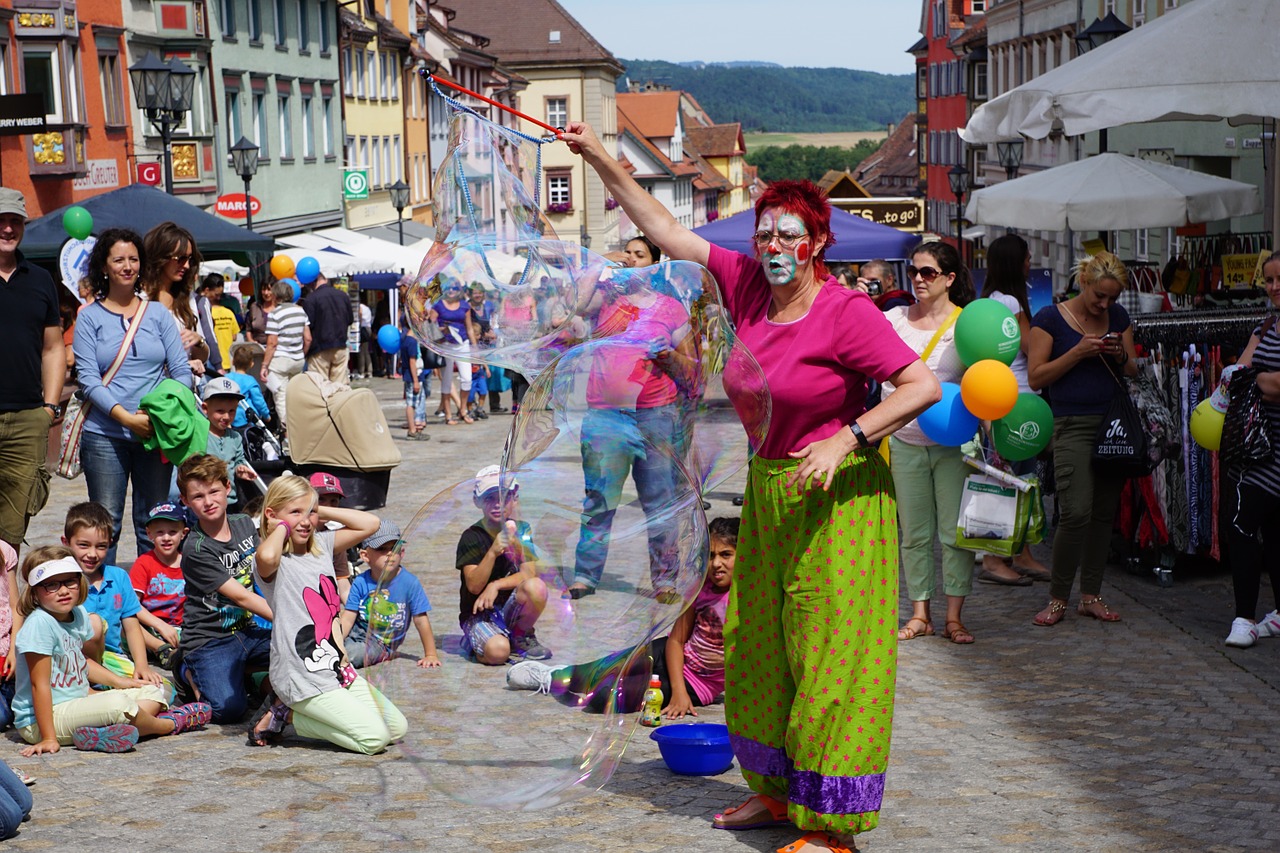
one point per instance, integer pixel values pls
(21, 114)
(101, 175)
(232, 205)
(903, 214)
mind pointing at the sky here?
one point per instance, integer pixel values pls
(869, 35)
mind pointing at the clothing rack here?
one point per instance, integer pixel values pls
(1229, 327)
(1207, 251)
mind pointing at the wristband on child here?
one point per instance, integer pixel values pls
(288, 529)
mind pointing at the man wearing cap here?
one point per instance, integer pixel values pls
(221, 399)
(329, 311)
(35, 364)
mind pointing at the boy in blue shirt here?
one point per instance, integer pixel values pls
(242, 363)
(376, 621)
(222, 399)
(111, 601)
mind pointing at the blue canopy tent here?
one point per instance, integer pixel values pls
(857, 239)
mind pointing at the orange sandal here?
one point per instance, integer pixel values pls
(776, 810)
(832, 842)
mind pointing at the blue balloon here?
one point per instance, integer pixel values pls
(307, 270)
(947, 421)
(297, 289)
(389, 339)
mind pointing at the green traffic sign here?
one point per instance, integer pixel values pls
(355, 183)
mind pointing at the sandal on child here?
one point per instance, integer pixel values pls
(117, 737)
(275, 717)
(1088, 607)
(775, 814)
(1052, 614)
(906, 632)
(193, 715)
(960, 635)
(811, 840)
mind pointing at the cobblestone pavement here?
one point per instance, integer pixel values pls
(1143, 735)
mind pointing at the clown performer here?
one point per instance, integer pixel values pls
(818, 552)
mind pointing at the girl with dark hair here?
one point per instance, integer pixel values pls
(817, 344)
(111, 448)
(642, 252)
(169, 277)
(929, 477)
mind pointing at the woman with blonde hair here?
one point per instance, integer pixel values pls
(173, 263)
(315, 686)
(1079, 351)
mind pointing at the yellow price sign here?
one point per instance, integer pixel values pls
(1238, 271)
(1093, 246)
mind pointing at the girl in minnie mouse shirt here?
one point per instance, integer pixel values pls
(315, 686)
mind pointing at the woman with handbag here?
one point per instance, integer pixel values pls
(928, 477)
(1079, 350)
(1257, 486)
(124, 346)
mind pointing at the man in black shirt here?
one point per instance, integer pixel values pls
(329, 311)
(35, 365)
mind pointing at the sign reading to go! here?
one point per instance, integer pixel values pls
(233, 206)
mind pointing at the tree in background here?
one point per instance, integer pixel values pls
(808, 162)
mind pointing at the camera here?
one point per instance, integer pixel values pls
(874, 288)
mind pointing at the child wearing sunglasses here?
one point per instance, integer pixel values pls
(54, 705)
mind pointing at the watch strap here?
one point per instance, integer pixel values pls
(859, 435)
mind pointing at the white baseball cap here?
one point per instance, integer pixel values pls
(53, 569)
(489, 478)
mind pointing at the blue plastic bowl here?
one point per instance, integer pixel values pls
(695, 749)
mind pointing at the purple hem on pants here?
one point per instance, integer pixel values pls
(818, 793)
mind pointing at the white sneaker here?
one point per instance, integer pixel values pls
(1269, 625)
(1243, 633)
(530, 675)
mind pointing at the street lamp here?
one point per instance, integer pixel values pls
(1010, 154)
(399, 200)
(584, 238)
(1101, 31)
(958, 177)
(244, 159)
(163, 90)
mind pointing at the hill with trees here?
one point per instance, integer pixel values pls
(807, 162)
(773, 98)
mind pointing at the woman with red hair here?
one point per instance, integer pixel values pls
(809, 638)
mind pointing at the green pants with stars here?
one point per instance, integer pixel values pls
(811, 641)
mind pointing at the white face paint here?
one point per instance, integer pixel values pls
(783, 265)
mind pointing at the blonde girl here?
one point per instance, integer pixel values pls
(53, 706)
(315, 686)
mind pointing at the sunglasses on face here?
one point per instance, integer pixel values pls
(54, 584)
(787, 241)
(927, 274)
(181, 259)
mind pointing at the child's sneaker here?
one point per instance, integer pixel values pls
(193, 715)
(164, 656)
(114, 738)
(1243, 633)
(24, 777)
(530, 675)
(1269, 625)
(527, 647)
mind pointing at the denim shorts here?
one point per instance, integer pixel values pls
(483, 627)
(412, 399)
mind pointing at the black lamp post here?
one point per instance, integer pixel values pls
(244, 159)
(584, 238)
(1010, 154)
(399, 200)
(163, 90)
(1101, 31)
(958, 178)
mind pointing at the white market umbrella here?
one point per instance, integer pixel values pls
(1111, 192)
(1206, 60)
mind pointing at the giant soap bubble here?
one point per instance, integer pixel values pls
(641, 399)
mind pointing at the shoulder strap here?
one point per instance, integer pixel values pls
(1267, 325)
(134, 325)
(937, 336)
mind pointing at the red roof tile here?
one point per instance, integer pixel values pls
(718, 140)
(521, 33)
(654, 113)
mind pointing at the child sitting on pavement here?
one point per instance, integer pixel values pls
(54, 706)
(501, 595)
(694, 649)
(110, 601)
(157, 579)
(384, 600)
(222, 399)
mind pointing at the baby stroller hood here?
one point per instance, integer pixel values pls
(332, 424)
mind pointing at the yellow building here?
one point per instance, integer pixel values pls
(723, 147)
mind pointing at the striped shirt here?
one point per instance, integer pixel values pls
(286, 322)
(1266, 358)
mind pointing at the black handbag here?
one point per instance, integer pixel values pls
(1246, 439)
(1121, 443)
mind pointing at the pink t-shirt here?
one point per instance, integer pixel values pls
(704, 650)
(9, 558)
(816, 367)
(623, 372)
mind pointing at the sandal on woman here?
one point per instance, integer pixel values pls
(1052, 614)
(1096, 608)
(906, 632)
(767, 812)
(267, 729)
(815, 841)
(450, 422)
(467, 419)
(959, 635)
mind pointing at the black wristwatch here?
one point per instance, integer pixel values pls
(55, 408)
(857, 433)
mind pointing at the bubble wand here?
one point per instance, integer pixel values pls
(431, 78)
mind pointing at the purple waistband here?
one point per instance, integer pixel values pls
(818, 793)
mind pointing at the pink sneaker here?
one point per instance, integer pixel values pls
(187, 717)
(114, 738)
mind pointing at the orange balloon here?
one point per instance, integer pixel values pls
(989, 389)
(246, 287)
(282, 266)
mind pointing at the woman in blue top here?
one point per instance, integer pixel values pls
(454, 317)
(111, 448)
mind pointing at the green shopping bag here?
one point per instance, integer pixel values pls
(997, 518)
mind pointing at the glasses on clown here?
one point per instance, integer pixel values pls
(786, 239)
(927, 274)
(54, 584)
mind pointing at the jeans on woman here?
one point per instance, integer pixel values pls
(110, 464)
(15, 802)
(1087, 499)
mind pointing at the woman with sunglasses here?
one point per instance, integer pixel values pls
(929, 477)
(1079, 351)
(811, 621)
(173, 262)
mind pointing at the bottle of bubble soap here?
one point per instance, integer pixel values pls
(651, 710)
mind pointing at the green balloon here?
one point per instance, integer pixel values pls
(986, 329)
(1026, 430)
(77, 222)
